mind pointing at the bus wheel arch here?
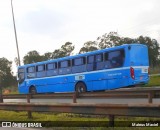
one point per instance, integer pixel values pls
(80, 87)
(32, 89)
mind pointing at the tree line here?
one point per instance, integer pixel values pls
(107, 40)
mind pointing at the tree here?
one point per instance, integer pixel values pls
(112, 39)
(153, 49)
(58, 53)
(7, 78)
(31, 57)
(108, 40)
(34, 56)
(47, 56)
(88, 46)
(65, 50)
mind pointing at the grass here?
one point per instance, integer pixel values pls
(46, 116)
(154, 81)
(22, 116)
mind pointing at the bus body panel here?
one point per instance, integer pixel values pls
(100, 75)
(140, 63)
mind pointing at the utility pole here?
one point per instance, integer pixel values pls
(19, 62)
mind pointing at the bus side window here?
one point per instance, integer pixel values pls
(95, 62)
(64, 67)
(90, 63)
(117, 58)
(31, 72)
(40, 69)
(78, 65)
(99, 64)
(52, 66)
(114, 59)
(52, 69)
(107, 61)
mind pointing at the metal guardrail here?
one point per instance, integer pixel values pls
(149, 93)
(89, 108)
(145, 110)
(141, 110)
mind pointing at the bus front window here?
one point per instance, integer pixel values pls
(21, 76)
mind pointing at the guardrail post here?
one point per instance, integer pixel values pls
(111, 121)
(150, 96)
(28, 101)
(28, 98)
(75, 97)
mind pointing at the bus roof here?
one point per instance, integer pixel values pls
(81, 55)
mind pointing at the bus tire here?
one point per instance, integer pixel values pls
(80, 87)
(32, 90)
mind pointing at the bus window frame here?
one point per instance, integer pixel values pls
(68, 64)
(101, 54)
(28, 73)
(88, 59)
(54, 64)
(43, 66)
(110, 60)
(20, 80)
(29, 68)
(83, 61)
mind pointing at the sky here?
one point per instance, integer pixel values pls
(45, 25)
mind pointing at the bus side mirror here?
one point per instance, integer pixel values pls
(17, 78)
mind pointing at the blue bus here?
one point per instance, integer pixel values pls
(111, 68)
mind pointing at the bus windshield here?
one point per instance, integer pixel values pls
(21, 75)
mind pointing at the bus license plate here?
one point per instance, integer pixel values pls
(144, 70)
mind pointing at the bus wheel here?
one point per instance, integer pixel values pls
(32, 90)
(80, 87)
